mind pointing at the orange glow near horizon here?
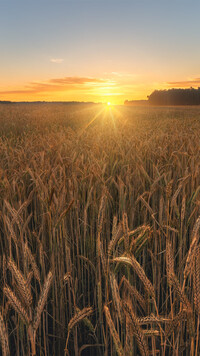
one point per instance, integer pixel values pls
(114, 89)
(110, 90)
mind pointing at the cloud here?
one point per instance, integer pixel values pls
(76, 80)
(185, 84)
(59, 84)
(56, 60)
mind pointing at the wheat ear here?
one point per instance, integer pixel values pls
(136, 329)
(116, 295)
(138, 270)
(113, 332)
(134, 292)
(169, 261)
(196, 279)
(42, 301)
(192, 249)
(16, 304)
(35, 268)
(125, 231)
(4, 338)
(22, 285)
(80, 315)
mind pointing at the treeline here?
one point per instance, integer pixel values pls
(175, 97)
(136, 102)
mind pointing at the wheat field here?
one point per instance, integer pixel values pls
(99, 224)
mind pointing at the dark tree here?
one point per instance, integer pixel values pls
(175, 97)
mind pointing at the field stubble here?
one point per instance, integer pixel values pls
(99, 219)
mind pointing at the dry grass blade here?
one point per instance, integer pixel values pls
(139, 271)
(42, 300)
(16, 304)
(136, 329)
(113, 332)
(4, 338)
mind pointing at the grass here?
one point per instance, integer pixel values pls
(99, 224)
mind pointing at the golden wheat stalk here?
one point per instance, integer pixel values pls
(184, 300)
(138, 270)
(115, 237)
(101, 214)
(87, 322)
(134, 293)
(183, 208)
(128, 350)
(114, 226)
(35, 268)
(16, 304)
(42, 300)
(196, 280)
(80, 315)
(153, 319)
(169, 261)
(102, 256)
(190, 258)
(136, 329)
(113, 332)
(125, 231)
(24, 292)
(174, 324)
(192, 249)
(173, 200)
(151, 332)
(116, 295)
(100, 226)
(4, 338)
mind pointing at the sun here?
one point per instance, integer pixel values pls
(108, 103)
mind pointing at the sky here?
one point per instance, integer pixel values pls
(97, 50)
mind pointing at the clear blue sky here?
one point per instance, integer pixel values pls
(128, 48)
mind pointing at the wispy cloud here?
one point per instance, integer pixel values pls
(56, 60)
(60, 84)
(186, 83)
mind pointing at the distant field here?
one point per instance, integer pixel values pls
(99, 224)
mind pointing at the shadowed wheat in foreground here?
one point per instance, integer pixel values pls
(100, 225)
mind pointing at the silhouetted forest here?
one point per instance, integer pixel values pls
(175, 97)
